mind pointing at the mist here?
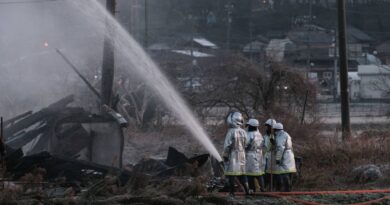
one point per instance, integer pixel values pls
(33, 75)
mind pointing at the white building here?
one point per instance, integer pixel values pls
(374, 81)
(371, 82)
(353, 86)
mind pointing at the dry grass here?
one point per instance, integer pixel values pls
(328, 162)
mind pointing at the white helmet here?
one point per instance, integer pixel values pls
(277, 126)
(253, 122)
(235, 119)
(270, 122)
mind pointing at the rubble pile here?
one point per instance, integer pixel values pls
(67, 155)
(46, 178)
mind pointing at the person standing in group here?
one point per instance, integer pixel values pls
(234, 151)
(284, 158)
(254, 155)
(268, 154)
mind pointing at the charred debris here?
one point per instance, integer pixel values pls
(80, 149)
(61, 148)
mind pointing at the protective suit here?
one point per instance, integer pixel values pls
(284, 158)
(254, 155)
(234, 152)
(284, 155)
(268, 156)
(234, 146)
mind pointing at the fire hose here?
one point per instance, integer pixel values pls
(287, 196)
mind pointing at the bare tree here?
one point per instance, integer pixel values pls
(238, 84)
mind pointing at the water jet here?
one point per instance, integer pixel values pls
(143, 66)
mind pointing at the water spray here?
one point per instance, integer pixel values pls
(143, 66)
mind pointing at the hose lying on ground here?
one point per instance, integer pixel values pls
(287, 195)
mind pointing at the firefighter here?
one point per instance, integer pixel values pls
(268, 155)
(254, 155)
(284, 158)
(234, 152)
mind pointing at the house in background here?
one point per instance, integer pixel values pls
(313, 44)
(280, 50)
(370, 82)
(183, 56)
(374, 81)
(383, 52)
(353, 86)
(255, 49)
(359, 44)
(181, 48)
(317, 47)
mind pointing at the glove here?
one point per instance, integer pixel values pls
(278, 162)
(225, 157)
(272, 141)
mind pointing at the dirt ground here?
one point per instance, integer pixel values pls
(314, 177)
(324, 168)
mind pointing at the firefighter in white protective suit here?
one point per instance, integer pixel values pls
(284, 158)
(268, 153)
(234, 151)
(254, 155)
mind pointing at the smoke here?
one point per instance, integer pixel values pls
(141, 65)
(32, 74)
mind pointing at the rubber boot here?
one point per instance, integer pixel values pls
(231, 186)
(283, 181)
(278, 183)
(251, 182)
(261, 183)
(246, 188)
(286, 183)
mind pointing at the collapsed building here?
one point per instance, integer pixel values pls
(68, 131)
(80, 146)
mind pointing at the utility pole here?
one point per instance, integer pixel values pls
(229, 8)
(250, 42)
(146, 24)
(344, 94)
(309, 33)
(310, 11)
(335, 64)
(251, 33)
(108, 72)
(108, 59)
